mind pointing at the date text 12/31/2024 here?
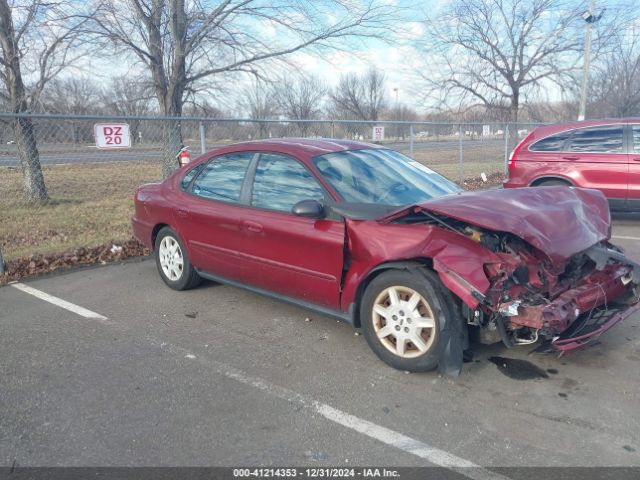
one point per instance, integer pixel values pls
(364, 472)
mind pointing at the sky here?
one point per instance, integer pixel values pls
(398, 58)
(395, 57)
(392, 56)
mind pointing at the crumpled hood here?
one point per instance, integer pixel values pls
(560, 221)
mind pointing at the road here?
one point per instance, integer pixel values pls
(220, 376)
(90, 154)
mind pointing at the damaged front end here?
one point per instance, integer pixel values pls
(569, 304)
(552, 273)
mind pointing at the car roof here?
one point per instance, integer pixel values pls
(544, 130)
(298, 147)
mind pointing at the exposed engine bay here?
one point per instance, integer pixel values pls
(567, 303)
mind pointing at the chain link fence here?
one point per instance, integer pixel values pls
(89, 190)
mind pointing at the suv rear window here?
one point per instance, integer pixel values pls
(636, 138)
(605, 139)
(554, 143)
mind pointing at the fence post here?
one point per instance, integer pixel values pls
(461, 167)
(411, 141)
(203, 139)
(506, 149)
(333, 130)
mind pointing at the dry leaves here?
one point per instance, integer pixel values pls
(39, 264)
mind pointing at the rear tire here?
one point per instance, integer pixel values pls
(401, 314)
(172, 261)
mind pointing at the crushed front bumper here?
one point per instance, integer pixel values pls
(555, 316)
(578, 316)
(589, 327)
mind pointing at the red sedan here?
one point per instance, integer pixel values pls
(365, 234)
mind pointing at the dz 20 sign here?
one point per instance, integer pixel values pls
(112, 135)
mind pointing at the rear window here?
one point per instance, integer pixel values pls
(554, 143)
(605, 139)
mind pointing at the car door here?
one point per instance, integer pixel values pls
(600, 159)
(290, 255)
(211, 216)
(633, 197)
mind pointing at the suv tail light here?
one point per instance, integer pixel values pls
(514, 154)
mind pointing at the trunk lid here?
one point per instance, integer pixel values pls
(560, 221)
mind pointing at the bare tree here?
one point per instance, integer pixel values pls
(71, 95)
(258, 102)
(186, 46)
(360, 97)
(403, 113)
(615, 86)
(302, 99)
(36, 38)
(128, 97)
(496, 51)
(77, 95)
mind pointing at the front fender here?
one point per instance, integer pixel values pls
(458, 260)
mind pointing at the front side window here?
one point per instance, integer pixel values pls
(605, 139)
(554, 143)
(281, 182)
(222, 178)
(381, 176)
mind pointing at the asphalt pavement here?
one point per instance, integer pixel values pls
(128, 372)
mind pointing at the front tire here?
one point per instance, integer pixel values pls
(172, 261)
(401, 315)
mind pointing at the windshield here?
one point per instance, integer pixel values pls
(381, 176)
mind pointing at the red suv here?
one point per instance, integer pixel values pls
(601, 154)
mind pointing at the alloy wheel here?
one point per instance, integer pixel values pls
(404, 321)
(171, 258)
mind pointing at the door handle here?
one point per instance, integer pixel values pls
(182, 212)
(571, 158)
(254, 227)
(637, 159)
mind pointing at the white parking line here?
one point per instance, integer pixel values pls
(433, 455)
(83, 312)
(622, 237)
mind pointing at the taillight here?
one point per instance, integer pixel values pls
(514, 154)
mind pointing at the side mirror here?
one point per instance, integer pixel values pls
(308, 208)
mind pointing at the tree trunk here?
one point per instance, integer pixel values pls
(34, 188)
(171, 130)
(33, 180)
(171, 145)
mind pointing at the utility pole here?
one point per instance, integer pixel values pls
(589, 17)
(397, 115)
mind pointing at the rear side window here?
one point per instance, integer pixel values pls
(222, 177)
(281, 182)
(605, 139)
(554, 143)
